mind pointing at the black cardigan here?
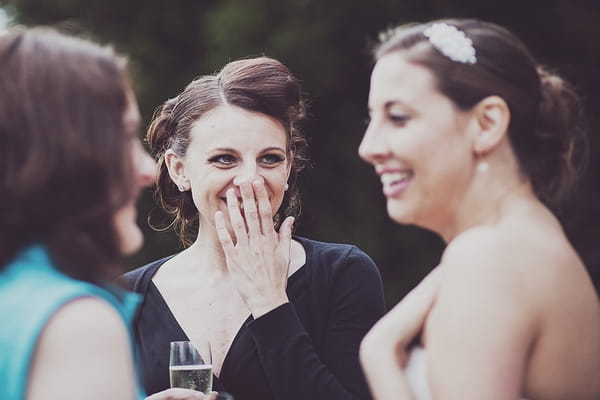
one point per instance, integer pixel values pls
(304, 349)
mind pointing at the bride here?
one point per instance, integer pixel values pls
(473, 140)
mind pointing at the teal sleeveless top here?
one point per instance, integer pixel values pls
(32, 289)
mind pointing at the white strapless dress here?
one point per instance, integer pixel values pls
(417, 375)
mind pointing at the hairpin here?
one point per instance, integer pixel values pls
(451, 42)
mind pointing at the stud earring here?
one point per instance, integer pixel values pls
(286, 187)
(181, 188)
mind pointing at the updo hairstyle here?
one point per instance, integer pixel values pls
(546, 127)
(261, 85)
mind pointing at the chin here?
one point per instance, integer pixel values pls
(129, 233)
(131, 241)
(398, 213)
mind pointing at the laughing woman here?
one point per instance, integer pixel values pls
(284, 314)
(472, 139)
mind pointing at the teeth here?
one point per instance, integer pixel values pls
(392, 177)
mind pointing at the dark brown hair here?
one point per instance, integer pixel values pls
(261, 85)
(546, 129)
(65, 165)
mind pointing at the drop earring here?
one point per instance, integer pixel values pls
(482, 166)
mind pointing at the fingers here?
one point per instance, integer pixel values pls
(180, 394)
(264, 207)
(235, 216)
(223, 233)
(285, 238)
(250, 211)
(285, 232)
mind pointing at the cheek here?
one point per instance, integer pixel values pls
(276, 183)
(446, 174)
(127, 229)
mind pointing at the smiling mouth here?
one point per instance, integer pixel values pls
(394, 183)
(393, 178)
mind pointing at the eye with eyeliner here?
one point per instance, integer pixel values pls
(272, 159)
(222, 160)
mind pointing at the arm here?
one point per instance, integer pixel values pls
(383, 351)
(83, 353)
(296, 369)
(257, 258)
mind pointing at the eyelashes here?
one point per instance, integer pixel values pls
(229, 160)
(398, 119)
(272, 158)
(223, 159)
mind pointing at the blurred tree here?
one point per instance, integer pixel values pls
(326, 45)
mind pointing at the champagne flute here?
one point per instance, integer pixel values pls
(190, 365)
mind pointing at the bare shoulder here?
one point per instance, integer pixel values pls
(508, 270)
(520, 291)
(85, 313)
(532, 250)
(84, 339)
(485, 253)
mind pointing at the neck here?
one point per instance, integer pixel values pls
(488, 197)
(205, 255)
(486, 206)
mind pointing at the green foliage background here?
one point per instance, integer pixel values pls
(325, 43)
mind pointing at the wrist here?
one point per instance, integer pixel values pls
(261, 308)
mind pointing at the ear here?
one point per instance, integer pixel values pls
(176, 167)
(492, 118)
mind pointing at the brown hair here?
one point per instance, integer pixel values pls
(261, 85)
(65, 165)
(546, 129)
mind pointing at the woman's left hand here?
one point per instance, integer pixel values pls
(182, 394)
(257, 256)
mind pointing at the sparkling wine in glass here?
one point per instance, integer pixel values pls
(190, 365)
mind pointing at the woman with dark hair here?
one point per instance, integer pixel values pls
(473, 140)
(284, 314)
(71, 167)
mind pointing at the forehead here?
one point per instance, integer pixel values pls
(395, 79)
(232, 126)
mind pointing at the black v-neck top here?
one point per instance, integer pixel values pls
(304, 349)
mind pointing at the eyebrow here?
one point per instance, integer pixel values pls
(388, 104)
(232, 150)
(273, 148)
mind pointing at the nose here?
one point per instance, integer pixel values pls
(146, 168)
(372, 147)
(247, 173)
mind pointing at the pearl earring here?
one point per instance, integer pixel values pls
(286, 187)
(482, 166)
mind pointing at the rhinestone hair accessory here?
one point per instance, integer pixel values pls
(451, 42)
